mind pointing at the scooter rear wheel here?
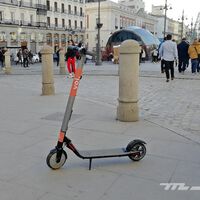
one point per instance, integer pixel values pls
(52, 160)
(136, 147)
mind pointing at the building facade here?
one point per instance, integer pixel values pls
(136, 5)
(113, 16)
(33, 23)
(173, 27)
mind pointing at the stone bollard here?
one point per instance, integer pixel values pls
(47, 71)
(62, 62)
(8, 68)
(128, 110)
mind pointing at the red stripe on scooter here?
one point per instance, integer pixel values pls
(72, 147)
(75, 83)
(61, 137)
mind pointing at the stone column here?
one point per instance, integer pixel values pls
(128, 110)
(8, 68)
(47, 71)
(62, 62)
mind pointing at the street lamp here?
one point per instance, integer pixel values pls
(183, 18)
(166, 7)
(191, 33)
(98, 46)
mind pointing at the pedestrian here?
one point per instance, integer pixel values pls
(162, 64)
(25, 57)
(30, 57)
(155, 55)
(58, 56)
(168, 51)
(1, 59)
(141, 51)
(143, 55)
(183, 56)
(193, 51)
(70, 57)
(40, 56)
(19, 57)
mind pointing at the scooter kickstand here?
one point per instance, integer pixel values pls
(90, 164)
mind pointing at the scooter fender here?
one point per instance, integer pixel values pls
(139, 141)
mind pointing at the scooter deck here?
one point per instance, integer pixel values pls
(104, 153)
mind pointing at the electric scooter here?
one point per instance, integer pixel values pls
(57, 157)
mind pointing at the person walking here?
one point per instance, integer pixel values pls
(25, 57)
(19, 57)
(30, 57)
(1, 59)
(155, 55)
(183, 56)
(162, 64)
(168, 51)
(58, 56)
(193, 51)
(70, 57)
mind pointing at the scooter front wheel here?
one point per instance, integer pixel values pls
(56, 159)
(136, 147)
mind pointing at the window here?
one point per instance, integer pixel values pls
(31, 19)
(81, 24)
(75, 10)
(70, 23)
(69, 9)
(87, 21)
(22, 18)
(116, 22)
(48, 5)
(63, 23)
(81, 11)
(56, 22)
(1, 15)
(48, 21)
(13, 36)
(75, 24)
(12, 16)
(62, 7)
(55, 6)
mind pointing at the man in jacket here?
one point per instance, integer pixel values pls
(168, 51)
(183, 56)
(193, 51)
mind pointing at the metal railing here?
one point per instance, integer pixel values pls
(22, 23)
(24, 4)
(10, 2)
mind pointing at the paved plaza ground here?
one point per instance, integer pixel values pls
(29, 125)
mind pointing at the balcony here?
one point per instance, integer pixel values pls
(55, 27)
(22, 23)
(41, 9)
(9, 22)
(10, 2)
(27, 4)
(41, 24)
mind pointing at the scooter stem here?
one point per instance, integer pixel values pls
(72, 95)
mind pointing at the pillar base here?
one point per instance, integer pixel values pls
(62, 71)
(128, 112)
(48, 89)
(8, 70)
